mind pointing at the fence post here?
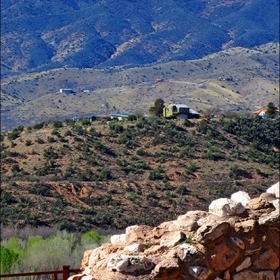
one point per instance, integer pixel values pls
(65, 272)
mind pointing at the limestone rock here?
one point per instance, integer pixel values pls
(245, 226)
(85, 259)
(87, 277)
(223, 207)
(268, 196)
(189, 252)
(118, 238)
(245, 264)
(271, 218)
(100, 253)
(139, 234)
(167, 269)
(240, 197)
(250, 275)
(161, 229)
(130, 229)
(135, 247)
(193, 215)
(183, 225)
(258, 203)
(223, 256)
(211, 231)
(129, 264)
(200, 273)
(267, 260)
(274, 189)
(171, 239)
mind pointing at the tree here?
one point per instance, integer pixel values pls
(271, 110)
(157, 109)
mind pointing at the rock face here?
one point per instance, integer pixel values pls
(229, 242)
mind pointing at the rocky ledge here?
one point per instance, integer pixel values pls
(237, 239)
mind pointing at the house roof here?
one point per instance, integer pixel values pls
(119, 115)
(193, 112)
(257, 112)
(180, 105)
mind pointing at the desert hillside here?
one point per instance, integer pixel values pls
(93, 175)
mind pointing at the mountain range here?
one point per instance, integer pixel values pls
(222, 54)
(39, 35)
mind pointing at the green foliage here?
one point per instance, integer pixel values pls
(192, 167)
(132, 118)
(15, 168)
(8, 258)
(85, 122)
(39, 125)
(91, 239)
(105, 174)
(115, 126)
(157, 109)
(57, 124)
(271, 110)
(28, 142)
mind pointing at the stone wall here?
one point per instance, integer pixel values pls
(237, 239)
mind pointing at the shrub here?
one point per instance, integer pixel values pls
(105, 174)
(39, 125)
(85, 122)
(57, 124)
(28, 142)
(132, 118)
(40, 141)
(115, 126)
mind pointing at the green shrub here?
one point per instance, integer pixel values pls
(39, 125)
(57, 124)
(28, 142)
(115, 126)
(105, 174)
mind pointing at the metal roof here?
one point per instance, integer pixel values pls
(119, 115)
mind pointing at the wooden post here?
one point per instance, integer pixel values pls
(65, 272)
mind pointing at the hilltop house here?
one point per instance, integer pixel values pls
(262, 113)
(66, 90)
(180, 111)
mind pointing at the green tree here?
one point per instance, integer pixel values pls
(157, 109)
(8, 259)
(271, 110)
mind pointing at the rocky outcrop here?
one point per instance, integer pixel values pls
(237, 239)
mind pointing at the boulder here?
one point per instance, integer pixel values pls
(118, 238)
(139, 234)
(238, 242)
(274, 189)
(211, 231)
(223, 256)
(166, 269)
(171, 239)
(250, 275)
(240, 197)
(129, 264)
(223, 207)
(245, 226)
(189, 252)
(258, 203)
(183, 225)
(135, 247)
(267, 260)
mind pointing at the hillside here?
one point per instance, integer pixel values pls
(233, 79)
(37, 35)
(91, 175)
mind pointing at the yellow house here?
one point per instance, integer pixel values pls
(174, 111)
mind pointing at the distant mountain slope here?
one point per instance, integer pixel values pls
(39, 35)
(234, 79)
